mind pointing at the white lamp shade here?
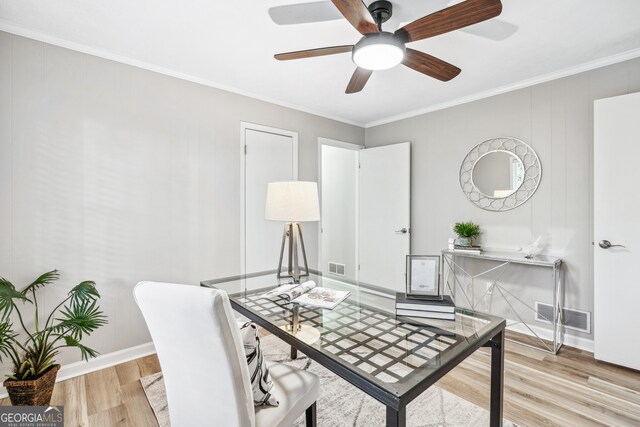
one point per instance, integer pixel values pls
(292, 201)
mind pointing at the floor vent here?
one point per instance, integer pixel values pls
(336, 268)
(577, 320)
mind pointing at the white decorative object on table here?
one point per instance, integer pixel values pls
(452, 243)
(536, 248)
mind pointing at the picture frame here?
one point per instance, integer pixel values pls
(423, 277)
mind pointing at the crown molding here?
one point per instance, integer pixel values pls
(79, 47)
(587, 66)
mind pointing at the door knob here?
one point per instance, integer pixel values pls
(605, 244)
(402, 231)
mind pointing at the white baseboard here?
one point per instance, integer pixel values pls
(101, 362)
(104, 361)
(547, 334)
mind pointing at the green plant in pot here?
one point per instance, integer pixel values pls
(33, 353)
(466, 231)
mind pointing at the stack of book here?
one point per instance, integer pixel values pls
(476, 250)
(431, 309)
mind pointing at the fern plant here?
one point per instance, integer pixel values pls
(466, 229)
(77, 316)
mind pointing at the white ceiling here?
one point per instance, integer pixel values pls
(230, 44)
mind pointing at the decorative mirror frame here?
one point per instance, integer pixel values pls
(529, 185)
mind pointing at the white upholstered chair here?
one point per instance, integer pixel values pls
(203, 362)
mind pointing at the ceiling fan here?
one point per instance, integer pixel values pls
(381, 50)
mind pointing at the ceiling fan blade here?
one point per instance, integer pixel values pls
(310, 53)
(430, 65)
(358, 80)
(458, 16)
(304, 13)
(357, 14)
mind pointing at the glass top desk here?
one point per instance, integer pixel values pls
(361, 340)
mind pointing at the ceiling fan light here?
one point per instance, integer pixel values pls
(378, 51)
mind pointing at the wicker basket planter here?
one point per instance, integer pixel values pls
(33, 392)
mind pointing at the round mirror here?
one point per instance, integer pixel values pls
(498, 174)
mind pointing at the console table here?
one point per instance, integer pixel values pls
(501, 261)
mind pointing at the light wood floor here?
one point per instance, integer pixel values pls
(570, 389)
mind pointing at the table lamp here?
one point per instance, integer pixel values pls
(292, 202)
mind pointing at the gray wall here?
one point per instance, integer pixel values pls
(117, 174)
(556, 119)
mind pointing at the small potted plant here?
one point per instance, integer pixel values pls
(466, 231)
(33, 353)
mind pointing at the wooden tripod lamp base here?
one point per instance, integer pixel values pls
(292, 233)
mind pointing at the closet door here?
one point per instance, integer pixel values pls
(268, 155)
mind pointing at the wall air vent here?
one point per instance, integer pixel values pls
(577, 320)
(336, 268)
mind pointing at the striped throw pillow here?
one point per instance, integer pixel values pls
(261, 382)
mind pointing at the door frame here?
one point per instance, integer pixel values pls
(348, 146)
(244, 126)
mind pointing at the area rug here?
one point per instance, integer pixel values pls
(341, 404)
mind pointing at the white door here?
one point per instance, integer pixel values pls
(269, 155)
(616, 207)
(384, 215)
